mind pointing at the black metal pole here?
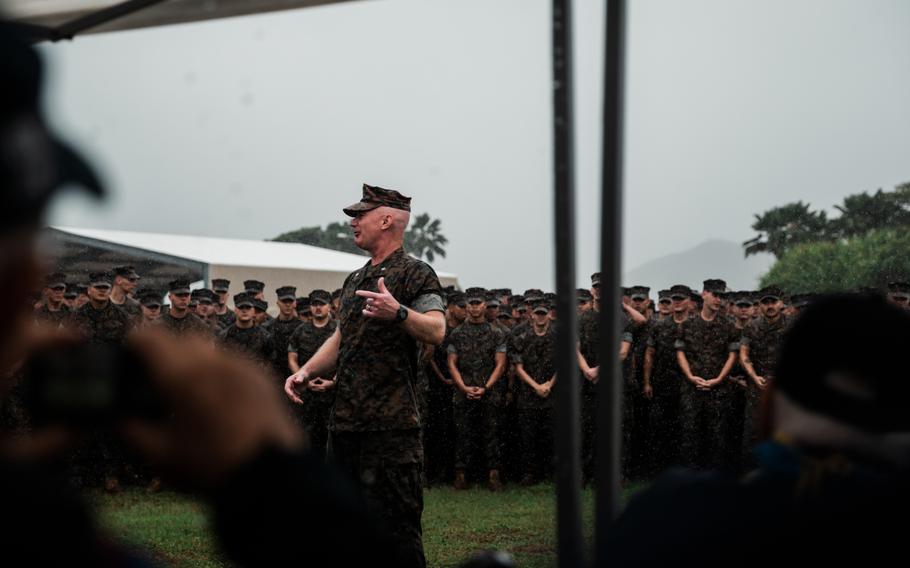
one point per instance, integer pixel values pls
(567, 427)
(609, 416)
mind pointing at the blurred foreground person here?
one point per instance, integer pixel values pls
(220, 430)
(833, 476)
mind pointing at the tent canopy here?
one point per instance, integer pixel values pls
(111, 15)
(162, 257)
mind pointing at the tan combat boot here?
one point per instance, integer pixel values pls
(460, 482)
(494, 484)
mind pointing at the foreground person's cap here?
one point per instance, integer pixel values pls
(374, 196)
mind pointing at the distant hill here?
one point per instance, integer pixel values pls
(711, 259)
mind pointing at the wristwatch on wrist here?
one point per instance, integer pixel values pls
(402, 314)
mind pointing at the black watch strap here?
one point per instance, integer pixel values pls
(402, 314)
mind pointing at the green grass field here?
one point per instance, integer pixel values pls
(174, 529)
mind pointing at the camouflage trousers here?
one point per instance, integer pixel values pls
(662, 437)
(535, 426)
(388, 467)
(750, 432)
(313, 416)
(704, 432)
(476, 429)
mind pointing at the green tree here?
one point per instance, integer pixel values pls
(787, 226)
(424, 238)
(335, 236)
(863, 212)
(872, 259)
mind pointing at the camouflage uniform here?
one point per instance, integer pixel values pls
(226, 319)
(281, 331)
(375, 421)
(439, 431)
(45, 316)
(536, 353)
(666, 381)
(110, 324)
(706, 344)
(131, 307)
(588, 340)
(476, 421)
(253, 343)
(188, 324)
(305, 341)
(763, 338)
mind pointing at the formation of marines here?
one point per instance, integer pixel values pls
(694, 365)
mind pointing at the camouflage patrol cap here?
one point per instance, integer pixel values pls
(178, 286)
(456, 298)
(375, 196)
(150, 298)
(128, 272)
(503, 291)
(771, 291)
(221, 285)
(595, 280)
(243, 300)
(680, 290)
(584, 294)
(203, 296)
(517, 301)
(72, 291)
(100, 279)
(550, 297)
(531, 294)
(55, 280)
(742, 298)
(641, 292)
(336, 293)
(714, 285)
(286, 293)
(540, 305)
(504, 313)
(303, 304)
(663, 295)
(625, 290)
(493, 299)
(260, 305)
(322, 296)
(254, 286)
(475, 294)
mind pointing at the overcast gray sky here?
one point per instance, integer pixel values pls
(253, 126)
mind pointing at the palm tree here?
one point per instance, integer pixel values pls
(423, 238)
(783, 227)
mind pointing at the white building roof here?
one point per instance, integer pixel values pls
(231, 252)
